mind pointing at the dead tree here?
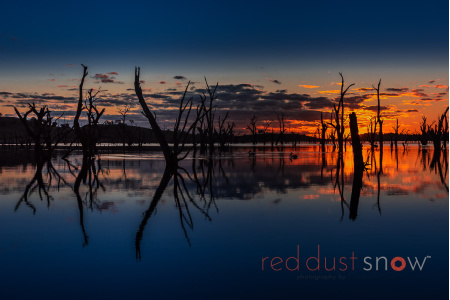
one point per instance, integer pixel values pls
(323, 129)
(339, 115)
(379, 121)
(169, 155)
(282, 126)
(266, 125)
(372, 132)
(397, 133)
(224, 134)
(252, 127)
(43, 130)
(88, 135)
(182, 130)
(358, 167)
(445, 135)
(123, 112)
(436, 132)
(209, 113)
(424, 131)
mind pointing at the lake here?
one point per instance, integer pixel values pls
(224, 227)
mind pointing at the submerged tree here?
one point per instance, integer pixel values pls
(379, 121)
(339, 115)
(436, 133)
(266, 125)
(397, 134)
(88, 135)
(182, 129)
(322, 131)
(123, 125)
(282, 128)
(371, 133)
(424, 131)
(43, 130)
(252, 127)
(358, 167)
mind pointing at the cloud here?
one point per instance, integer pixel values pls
(355, 102)
(50, 99)
(105, 78)
(330, 92)
(432, 81)
(432, 99)
(100, 76)
(113, 73)
(307, 86)
(319, 103)
(179, 77)
(274, 80)
(398, 90)
(364, 89)
(419, 93)
(425, 86)
(440, 86)
(162, 82)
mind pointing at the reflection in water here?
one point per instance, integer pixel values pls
(201, 183)
(182, 200)
(124, 208)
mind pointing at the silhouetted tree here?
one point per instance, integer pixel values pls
(122, 122)
(88, 135)
(252, 127)
(43, 130)
(323, 131)
(181, 130)
(372, 132)
(424, 131)
(266, 125)
(358, 167)
(339, 115)
(379, 121)
(282, 128)
(436, 135)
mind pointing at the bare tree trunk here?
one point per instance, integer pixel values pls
(358, 167)
(168, 153)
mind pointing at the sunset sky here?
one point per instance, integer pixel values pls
(268, 56)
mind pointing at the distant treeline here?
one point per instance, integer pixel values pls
(12, 132)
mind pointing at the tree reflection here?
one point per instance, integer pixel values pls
(197, 185)
(182, 197)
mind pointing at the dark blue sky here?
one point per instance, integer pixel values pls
(196, 34)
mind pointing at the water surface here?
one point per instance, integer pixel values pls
(214, 222)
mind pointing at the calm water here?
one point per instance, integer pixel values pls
(206, 235)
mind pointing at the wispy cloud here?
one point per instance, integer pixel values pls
(105, 78)
(400, 90)
(274, 80)
(307, 86)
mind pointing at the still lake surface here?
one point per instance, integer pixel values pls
(205, 237)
